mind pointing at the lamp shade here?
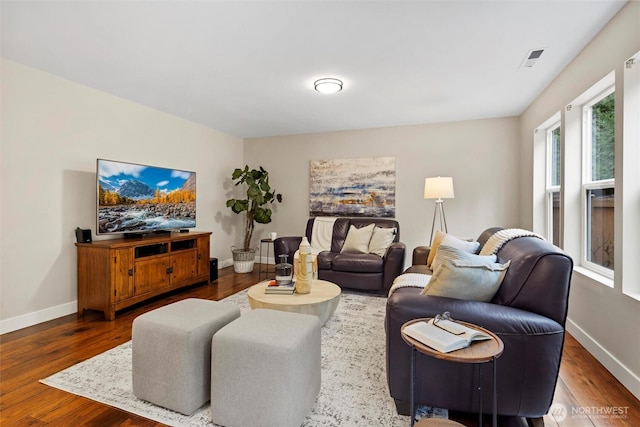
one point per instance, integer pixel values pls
(440, 187)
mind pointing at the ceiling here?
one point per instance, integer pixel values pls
(247, 68)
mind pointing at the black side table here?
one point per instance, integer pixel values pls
(268, 273)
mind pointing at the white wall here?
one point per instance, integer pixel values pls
(52, 132)
(481, 156)
(602, 318)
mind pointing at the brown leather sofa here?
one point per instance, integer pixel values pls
(352, 270)
(528, 313)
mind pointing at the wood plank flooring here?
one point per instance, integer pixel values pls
(33, 353)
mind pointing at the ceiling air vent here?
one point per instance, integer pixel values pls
(531, 58)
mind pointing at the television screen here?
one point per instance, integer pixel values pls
(135, 198)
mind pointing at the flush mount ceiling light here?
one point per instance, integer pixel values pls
(328, 85)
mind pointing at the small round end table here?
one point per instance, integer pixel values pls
(477, 352)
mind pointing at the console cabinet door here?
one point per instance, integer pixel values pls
(122, 274)
(183, 265)
(203, 255)
(151, 273)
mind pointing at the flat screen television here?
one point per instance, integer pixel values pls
(141, 199)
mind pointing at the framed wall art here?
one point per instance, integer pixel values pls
(364, 187)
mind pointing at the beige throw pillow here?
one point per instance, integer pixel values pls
(434, 247)
(381, 239)
(358, 239)
(467, 280)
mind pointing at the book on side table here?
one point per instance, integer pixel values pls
(274, 288)
(444, 335)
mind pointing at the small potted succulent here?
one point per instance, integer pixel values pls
(260, 196)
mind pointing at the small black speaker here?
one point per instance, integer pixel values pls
(213, 269)
(83, 236)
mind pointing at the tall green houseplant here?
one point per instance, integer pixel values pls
(259, 196)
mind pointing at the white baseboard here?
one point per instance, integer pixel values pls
(623, 374)
(225, 263)
(30, 319)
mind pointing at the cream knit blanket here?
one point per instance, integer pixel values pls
(410, 280)
(321, 234)
(499, 238)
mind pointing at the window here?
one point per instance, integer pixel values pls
(576, 159)
(598, 186)
(553, 184)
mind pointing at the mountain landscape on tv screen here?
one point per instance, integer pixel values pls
(137, 198)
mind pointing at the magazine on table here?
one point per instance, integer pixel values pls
(274, 288)
(444, 335)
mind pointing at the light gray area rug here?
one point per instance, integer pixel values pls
(354, 389)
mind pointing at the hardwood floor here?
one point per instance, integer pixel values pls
(33, 353)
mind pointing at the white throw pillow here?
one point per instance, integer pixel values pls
(464, 245)
(449, 240)
(467, 280)
(381, 239)
(446, 252)
(358, 239)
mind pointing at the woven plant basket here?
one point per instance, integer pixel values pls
(243, 260)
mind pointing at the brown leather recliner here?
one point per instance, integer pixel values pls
(352, 270)
(528, 313)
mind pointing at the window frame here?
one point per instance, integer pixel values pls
(589, 184)
(551, 188)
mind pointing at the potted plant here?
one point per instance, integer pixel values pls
(256, 205)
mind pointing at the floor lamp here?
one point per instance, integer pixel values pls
(438, 188)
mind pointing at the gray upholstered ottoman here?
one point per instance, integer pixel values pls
(172, 352)
(265, 369)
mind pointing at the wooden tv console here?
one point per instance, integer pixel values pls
(114, 274)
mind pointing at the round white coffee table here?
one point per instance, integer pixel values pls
(322, 301)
